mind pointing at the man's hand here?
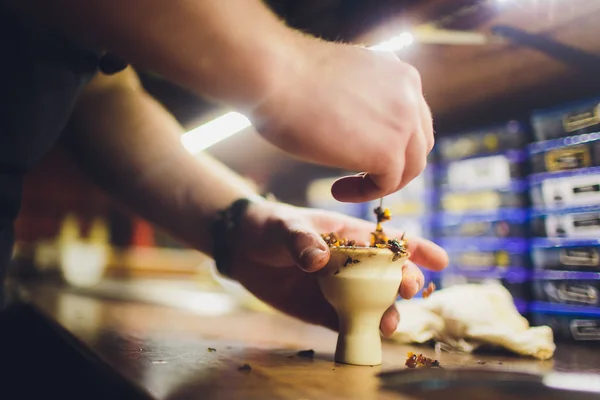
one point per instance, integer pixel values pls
(351, 108)
(279, 246)
(327, 103)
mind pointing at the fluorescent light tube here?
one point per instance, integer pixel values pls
(212, 132)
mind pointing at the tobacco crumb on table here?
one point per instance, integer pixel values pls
(420, 361)
(245, 367)
(306, 354)
(481, 362)
(428, 290)
(211, 350)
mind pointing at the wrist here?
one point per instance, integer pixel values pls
(240, 73)
(280, 60)
(224, 227)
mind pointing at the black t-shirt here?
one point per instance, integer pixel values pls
(41, 75)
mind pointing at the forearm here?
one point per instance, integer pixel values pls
(129, 144)
(231, 51)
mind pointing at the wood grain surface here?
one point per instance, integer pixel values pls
(175, 354)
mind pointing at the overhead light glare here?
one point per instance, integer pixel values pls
(212, 132)
(395, 43)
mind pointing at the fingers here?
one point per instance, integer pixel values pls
(423, 252)
(399, 170)
(285, 240)
(419, 146)
(427, 124)
(389, 165)
(363, 187)
(416, 159)
(412, 280)
(427, 254)
(305, 246)
(389, 321)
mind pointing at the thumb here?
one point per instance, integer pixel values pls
(282, 242)
(305, 246)
(365, 187)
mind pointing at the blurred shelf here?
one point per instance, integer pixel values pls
(123, 262)
(153, 261)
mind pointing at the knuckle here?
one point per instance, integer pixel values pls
(276, 225)
(393, 167)
(412, 73)
(430, 143)
(421, 164)
(418, 165)
(385, 155)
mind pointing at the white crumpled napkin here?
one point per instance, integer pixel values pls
(466, 317)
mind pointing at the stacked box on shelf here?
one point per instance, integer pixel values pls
(565, 192)
(483, 217)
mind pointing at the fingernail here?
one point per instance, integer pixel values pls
(404, 288)
(310, 258)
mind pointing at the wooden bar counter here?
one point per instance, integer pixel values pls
(174, 354)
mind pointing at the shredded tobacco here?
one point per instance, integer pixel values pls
(378, 238)
(333, 240)
(428, 290)
(420, 361)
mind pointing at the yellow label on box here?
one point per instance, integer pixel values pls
(490, 141)
(502, 259)
(583, 119)
(462, 147)
(474, 228)
(407, 208)
(488, 200)
(567, 158)
(477, 259)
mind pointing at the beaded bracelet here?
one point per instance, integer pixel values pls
(226, 221)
